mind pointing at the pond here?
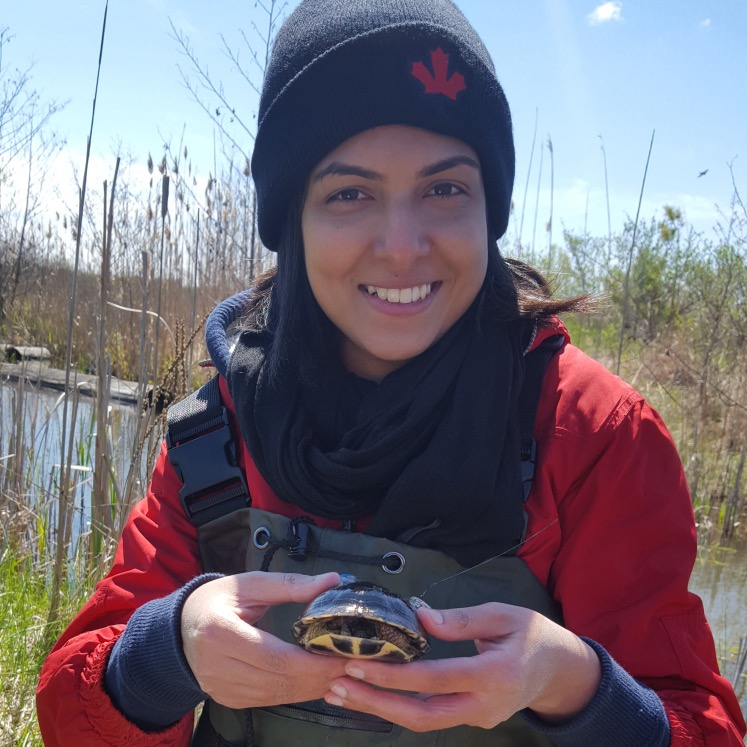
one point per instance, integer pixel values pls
(720, 580)
(40, 432)
(719, 577)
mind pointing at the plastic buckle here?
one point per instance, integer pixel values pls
(206, 465)
(300, 539)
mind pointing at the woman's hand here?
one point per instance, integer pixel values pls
(524, 661)
(241, 666)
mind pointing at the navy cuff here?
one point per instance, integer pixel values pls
(147, 675)
(622, 712)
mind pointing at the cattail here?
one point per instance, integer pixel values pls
(164, 196)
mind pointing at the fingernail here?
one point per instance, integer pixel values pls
(339, 690)
(355, 672)
(320, 576)
(436, 616)
(333, 700)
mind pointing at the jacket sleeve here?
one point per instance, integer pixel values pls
(626, 546)
(157, 554)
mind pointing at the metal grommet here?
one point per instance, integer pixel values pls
(394, 562)
(262, 538)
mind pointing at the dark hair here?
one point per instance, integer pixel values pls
(284, 304)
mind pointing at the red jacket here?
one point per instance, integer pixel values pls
(611, 535)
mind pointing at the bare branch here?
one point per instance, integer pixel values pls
(737, 196)
(206, 85)
(22, 115)
(233, 56)
(210, 94)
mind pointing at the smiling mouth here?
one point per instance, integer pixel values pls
(400, 295)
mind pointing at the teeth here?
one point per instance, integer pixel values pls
(400, 295)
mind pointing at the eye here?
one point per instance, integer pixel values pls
(350, 194)
(445, 189)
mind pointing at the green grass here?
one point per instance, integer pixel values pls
(25, 640)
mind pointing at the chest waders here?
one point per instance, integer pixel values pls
(234, 537)
(405, 570)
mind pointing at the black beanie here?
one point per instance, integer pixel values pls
(339, 67)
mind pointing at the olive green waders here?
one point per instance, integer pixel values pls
(247, 539)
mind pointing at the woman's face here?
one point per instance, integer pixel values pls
(395, 242)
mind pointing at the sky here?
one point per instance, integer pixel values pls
(597, 80)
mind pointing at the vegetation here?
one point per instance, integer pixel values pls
(147, 268)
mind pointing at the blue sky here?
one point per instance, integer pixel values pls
(587, 72)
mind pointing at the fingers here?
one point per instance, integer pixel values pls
(524, 660)
(235, 662)
(410, 712)
(226, 608)
(490, 625)
(268, 673)
(480, 690)
(486, 621)
(418, 713)
(443, 676)
(258, 588)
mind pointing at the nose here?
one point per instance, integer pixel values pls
(402, 237)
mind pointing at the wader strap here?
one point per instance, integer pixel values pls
(202, 450)
(535, 364)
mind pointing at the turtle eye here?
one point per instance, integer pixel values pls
(262, 538)
(394, 562)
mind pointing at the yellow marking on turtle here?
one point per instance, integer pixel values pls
(389, 643)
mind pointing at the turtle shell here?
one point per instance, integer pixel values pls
(361, 620)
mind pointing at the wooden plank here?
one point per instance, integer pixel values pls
(39, 375)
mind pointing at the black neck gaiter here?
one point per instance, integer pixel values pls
(431, 453)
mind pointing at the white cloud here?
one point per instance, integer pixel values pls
(604, 13)
(705, 23)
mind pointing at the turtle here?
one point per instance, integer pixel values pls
(361, 620)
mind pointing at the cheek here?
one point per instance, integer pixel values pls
(316, 256)
(328, 279)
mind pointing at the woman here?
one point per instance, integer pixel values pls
(378, 387)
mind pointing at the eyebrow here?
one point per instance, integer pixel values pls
(448, 163)
(337, 168)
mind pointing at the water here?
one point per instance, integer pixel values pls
(41, 429)
(719, 578)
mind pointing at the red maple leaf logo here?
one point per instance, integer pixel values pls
(437, 81)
